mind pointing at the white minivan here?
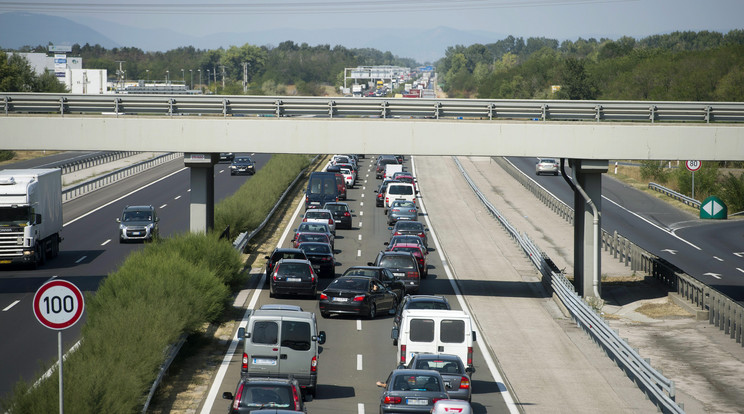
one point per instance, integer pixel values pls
(435, 332)
(398, 191)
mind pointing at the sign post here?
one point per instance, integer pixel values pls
(58, 304)
(693, 165)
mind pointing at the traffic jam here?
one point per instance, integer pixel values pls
(321, 295)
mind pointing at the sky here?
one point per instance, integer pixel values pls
(559, 19)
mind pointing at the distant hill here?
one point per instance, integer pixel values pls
(30, 29)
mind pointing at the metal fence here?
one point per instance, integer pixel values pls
(659, 389)
(330, 107)
(723, 312)
(675, 195)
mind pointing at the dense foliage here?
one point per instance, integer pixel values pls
(16, 75)
(678, 66)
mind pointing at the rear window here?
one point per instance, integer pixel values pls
(313, 228)
(427, 305)
(414, 250)
(288, 255)
(452, 331)
(357, 285)
(336, 207)
(422, 330)
(361, 272)
(265, 332)
(296, 335)
(400, 190)
(399, 262)
(317, 214)
(311, 238)
(315, 248)
(294, 269)
(408, 225)
(322, 184)
(265, 395)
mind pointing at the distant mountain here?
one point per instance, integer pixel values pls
(19, 29)
(421, 45)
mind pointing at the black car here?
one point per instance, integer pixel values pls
(294, 276)
(403, 265)
(242, 165)
(341, 214)
(282, 253)
(359, 295)
(226, 156)
(408, 227)
(321, 257)
(263, 393)
(383, 275)
(419, 302)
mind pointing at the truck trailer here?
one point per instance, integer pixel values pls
(30, 215)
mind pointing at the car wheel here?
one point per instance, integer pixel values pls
(325, 314)
(312, 391)
(372, 311)
(272, 294)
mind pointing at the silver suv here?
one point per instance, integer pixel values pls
(138, 223)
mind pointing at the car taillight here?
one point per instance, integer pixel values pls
(402, 355)
(412, 274)
(245, 361)
(296, 398)
(413, 210)
(422, 235)
(470, 355)
(346, 214)
(314, 364)
(387, 199)
(396, 210)
(434, 400)
(358, 298)
(304, 220)
(330, 221)
(238, 397)
(393, 400)
(323, 296)
(397, 233)
(464, 383)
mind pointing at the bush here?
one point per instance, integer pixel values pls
(655, 171)
(732, 192)
(7, 155)
(706, 181)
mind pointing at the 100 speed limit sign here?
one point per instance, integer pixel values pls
(58, 304)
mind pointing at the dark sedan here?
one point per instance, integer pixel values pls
(341, 214)
(383, 275)
(282, 253)
(410, 227)
(321, 256)
(412, 391)
(293, 276)
(242, 165)
(358, 295)
(404, 267)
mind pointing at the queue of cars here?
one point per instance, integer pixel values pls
(386, 286)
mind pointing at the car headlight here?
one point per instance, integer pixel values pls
(232, 167)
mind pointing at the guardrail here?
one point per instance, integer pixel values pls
(659, 389)
(724, 313)
(331, 107)
(70, 167)
(96, 183)
(675, 195)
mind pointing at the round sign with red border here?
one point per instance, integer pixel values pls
(693, 165)
(58, 304)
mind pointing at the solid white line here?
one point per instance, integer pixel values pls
(222, 371)
(124, 196)
(177, 197)
(163, 206)
(359, 362)
(78, 261)
(508, 400)
(7, 308)
(106, 242)
(360, 408)
(359, 324)
(359, 253)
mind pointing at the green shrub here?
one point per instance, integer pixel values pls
(7, 155)
(732, 192)
(654, 170)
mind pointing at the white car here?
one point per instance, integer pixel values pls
(320, 215)
(398, 191)
(547, 166)
(348, 177)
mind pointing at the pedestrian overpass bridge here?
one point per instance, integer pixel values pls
(587, 133)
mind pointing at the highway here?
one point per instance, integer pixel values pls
(89, 252)
(711, 251)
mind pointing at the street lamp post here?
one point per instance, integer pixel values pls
(191, 72)
(183, 77)
(148, 75)
(167, 72)
(200, 84)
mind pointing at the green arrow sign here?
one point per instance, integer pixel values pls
(713, 208)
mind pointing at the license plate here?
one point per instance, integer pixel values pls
(5, 261)
(340, 299)
(264, 361)
(136, 233)
(399, 274)
(316, 267)
(416, 401)
(294, 279)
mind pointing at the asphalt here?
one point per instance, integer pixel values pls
(535, 343)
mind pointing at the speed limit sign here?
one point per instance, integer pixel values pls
(58, 304)
(693, 165)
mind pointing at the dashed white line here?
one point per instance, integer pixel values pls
(361, 213)
(106, 242)
(740, 269)
(359, 253)
(359, 362)
(84, 257)
(360, 224)
(362, 195)
(7, 308)
(718, 258)
(361, 203)
(360, 237)
(360, 408)
(163, 206)
(364, 188)
(177, 197)
(359, 324)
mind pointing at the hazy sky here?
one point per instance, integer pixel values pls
(560, 19)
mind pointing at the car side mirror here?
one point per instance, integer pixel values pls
(267, 257)
(241, 333)
(227, 395)
(157, 219)
(386, 243)
(470, 370)
(370, 264)
(394, 333)
(321, 337)
(118, 220)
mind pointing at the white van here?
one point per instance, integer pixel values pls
(391, 169)
(398, 191)
(435, 332)
(281, 342)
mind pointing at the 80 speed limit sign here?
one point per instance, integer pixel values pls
(58, 304)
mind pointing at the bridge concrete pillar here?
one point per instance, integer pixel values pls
(588, 220)
(202, 190)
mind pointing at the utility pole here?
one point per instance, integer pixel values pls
(245, 77)
(223, 76)
(191, 72)
(120, 73)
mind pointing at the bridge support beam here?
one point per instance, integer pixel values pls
(202, 190)
(587, 175)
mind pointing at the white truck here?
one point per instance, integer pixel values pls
(30, 215)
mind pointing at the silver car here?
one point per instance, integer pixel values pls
(547, 166)
(454, 374)
(402, 210)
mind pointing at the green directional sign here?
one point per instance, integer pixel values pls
(713, 208)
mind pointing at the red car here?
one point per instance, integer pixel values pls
(310, 237)
(418, 253)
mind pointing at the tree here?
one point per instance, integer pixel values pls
(575, 83)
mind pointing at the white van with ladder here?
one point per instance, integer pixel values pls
(435, 332)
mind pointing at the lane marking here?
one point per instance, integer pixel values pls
(740, 269)
(360, 408)
(81, 259)
(363, 188)
(495, 374)
(359, 253)
(361, 203)
(177, 197)
(7, 308)
(362, 195)
(360, 224)
(106, 242)
(715, 275)
(359, 324)
(359, 362)
(361, 213)
(164, 205)
(360, 237)
(718, 258)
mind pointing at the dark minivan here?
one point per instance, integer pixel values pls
(321, 189)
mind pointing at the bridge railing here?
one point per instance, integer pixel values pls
(334, 107)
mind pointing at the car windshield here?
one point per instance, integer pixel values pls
(242, 160)
(401, 262)
(361, 272)
(315, 248)
(400, 190)
(344, 283)
(137, 215)
(421, 382)
(266, 396)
